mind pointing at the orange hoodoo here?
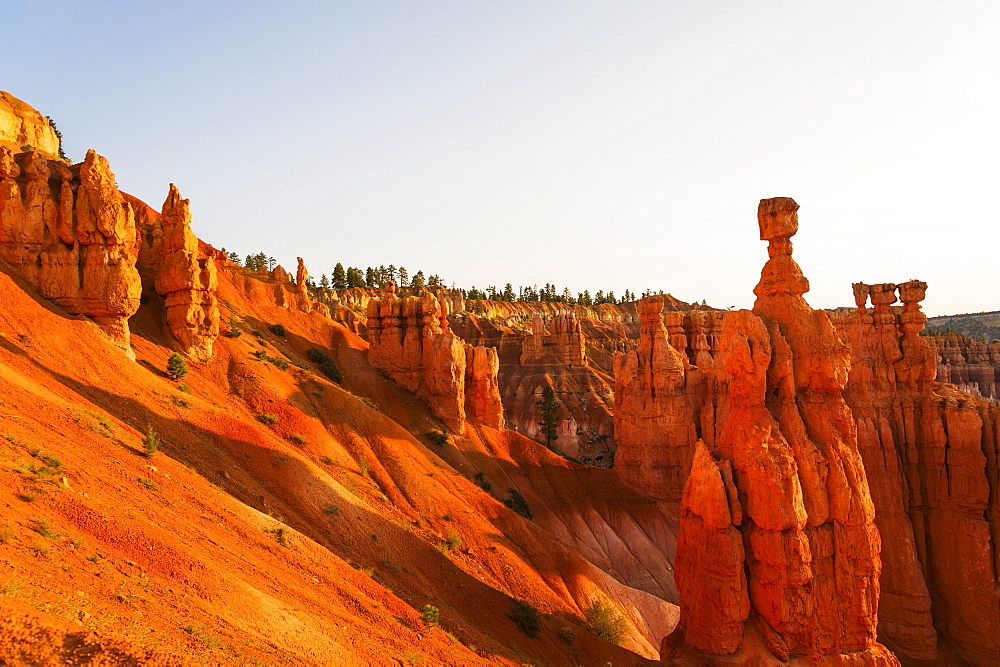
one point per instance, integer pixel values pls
(778, 554)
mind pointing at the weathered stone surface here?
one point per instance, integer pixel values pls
(798, 496)
(411, 341)
(71, 234)
(186, 279)
(22, 125)
(931, 453)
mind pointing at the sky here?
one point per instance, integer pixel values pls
(594, 145)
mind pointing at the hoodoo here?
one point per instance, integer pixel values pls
(778, 554)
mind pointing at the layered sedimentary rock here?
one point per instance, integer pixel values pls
(784, 472)
(186, 279)
(22, 125)
(301, 276)
(69, 232)
(972, 365)
(564, 345)
(411, 341)
(931, 452)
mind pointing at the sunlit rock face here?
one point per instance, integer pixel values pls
(186, 279)
(778, 553)
(931, 452)
(411, 341)
(21, 125)
(70, 233)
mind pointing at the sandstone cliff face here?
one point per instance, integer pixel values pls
(69, 232)
(931, 453)
(185, 277)
(411, 341)
(778, 553)
(22, 125)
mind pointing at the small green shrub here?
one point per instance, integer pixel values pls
(268, 418)
(325, 363)
(151, 442)
(278, 362)
(279, 535)
(6, 532)
(484, 484)
(298, 439)
(525, 617)
(430, 615)
(278, 330)
(148, 483)
(567, 636)
(604, 620)
(233, 333)
(184, 389)
(176, 366)
(44, 527)
(517, 502)
(331, 510)
(369, 402)
(439, 438)
(451, 541)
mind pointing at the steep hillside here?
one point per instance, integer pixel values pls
(983, 327)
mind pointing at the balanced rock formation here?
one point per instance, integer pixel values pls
(22, 125)
(411, 341)
(784, 471)
(186, 279)
(69, 232)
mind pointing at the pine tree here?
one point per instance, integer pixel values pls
(549, 409)
(404, 277)
(176, 366)
(370, 278)
(339, 277)
(418, 281)
(355, 277)
(324, 282)
(508, 293)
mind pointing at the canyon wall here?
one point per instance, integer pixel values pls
(969, 364)
(931, 453)
(412, 341)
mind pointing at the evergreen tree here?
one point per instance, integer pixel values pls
(176, 366)
(418, 281)
(234, 258)
(355, 277)
(339, 277)
(369, 278)
(324, 282)
(434, 280)
(390, 274)
(404, 277)
(508, 293)
(549, 409)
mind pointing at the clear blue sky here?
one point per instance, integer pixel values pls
(596, 145)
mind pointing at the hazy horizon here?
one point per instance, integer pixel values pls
(593, 146)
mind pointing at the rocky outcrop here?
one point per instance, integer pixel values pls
(931, 454)
(411, 341)
(482, 389)
(69, 232)
(564, 345)
(21, 125)
(778, 553)
(655, 424)
(301, 277)
(186, 279)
